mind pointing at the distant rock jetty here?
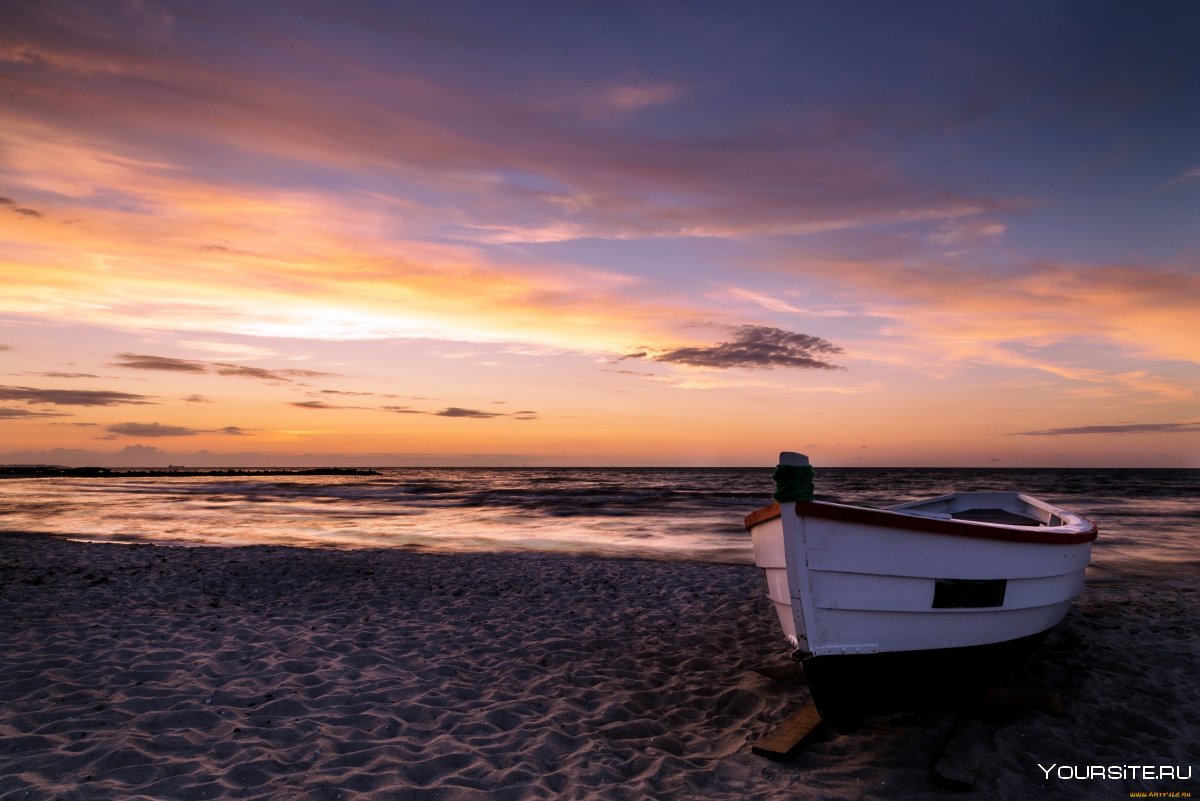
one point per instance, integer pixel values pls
(58, 471)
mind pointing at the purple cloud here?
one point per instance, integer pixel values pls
(757, 346)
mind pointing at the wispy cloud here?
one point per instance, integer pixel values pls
(1186, 177)
(756, 346)
(968, 232)
(634, 97)
(1124, 428)
(760, 299)
(72, 397)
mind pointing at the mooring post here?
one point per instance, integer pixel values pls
(793, 478)
(793, 458)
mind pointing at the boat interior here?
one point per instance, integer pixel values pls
(1004, 508)
(995, 516)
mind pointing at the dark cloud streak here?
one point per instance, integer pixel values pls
(323, 405)
(450, 411)
(456, 411)
(64, 375)
(242, 371)
(140, 361)
(1126, 428)
(15, 209)
(72, 397)
(402, 410)
(150, 430)
(757, 346)
(25, 414)
(159, 430)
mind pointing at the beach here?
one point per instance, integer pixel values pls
(267, 672)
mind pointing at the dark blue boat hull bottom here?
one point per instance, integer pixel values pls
(847, 689)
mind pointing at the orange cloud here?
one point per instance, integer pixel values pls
(296, 264)
(1145, 310)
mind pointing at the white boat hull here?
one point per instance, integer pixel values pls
(871, 589)
(916, 596)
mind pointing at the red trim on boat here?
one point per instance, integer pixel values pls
(762, 515)
(929, 525)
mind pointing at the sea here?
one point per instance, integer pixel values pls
(1149, 519)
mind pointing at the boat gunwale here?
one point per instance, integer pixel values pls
(1055, 535)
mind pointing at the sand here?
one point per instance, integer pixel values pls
(141, 672)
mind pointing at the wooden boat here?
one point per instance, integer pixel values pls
(926, 600)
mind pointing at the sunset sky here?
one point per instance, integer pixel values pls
(638, 233)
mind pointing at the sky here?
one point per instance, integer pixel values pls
(676, 233)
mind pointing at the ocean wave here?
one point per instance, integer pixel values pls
(671, 513)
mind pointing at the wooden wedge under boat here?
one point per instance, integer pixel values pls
(926, 600)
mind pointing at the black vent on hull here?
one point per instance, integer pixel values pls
(969, 593)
